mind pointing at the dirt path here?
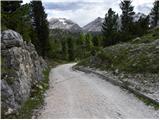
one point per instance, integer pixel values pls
(74, 94)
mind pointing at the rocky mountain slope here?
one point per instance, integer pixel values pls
(94, 26)
(21, 70)
(64, 24)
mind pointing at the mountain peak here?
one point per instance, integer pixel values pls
(94, 26)
(63, 23)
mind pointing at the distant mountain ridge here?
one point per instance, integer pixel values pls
(93, 26)
(65, 24)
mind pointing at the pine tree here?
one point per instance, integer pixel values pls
(127, 16)
(8, 9)
(41, 27)
(143, 24)
(88, 42)
(70, 49)
(109, 26)
(110, 23)
(96, 41)
(155, 13)
(10, 6)
(82, 45)
(64, 49)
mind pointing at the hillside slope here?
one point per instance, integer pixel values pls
(139, 55)
(135, 62)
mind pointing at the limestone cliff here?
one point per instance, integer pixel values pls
(21, 69)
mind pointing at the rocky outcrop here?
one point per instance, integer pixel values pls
(21, 69)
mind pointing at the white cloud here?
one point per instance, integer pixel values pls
(91, 9)
(85, 14)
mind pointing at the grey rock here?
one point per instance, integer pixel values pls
(11, 35)
(94, 26)
(11, 38)
(22, 69)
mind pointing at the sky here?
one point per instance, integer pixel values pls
(85, 11)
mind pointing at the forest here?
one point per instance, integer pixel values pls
(30, 20)
(77, 72)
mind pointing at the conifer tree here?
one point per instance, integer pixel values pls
(10, 6)
(81, 45)
(88, 42)
(8, 9)
(70, 49)
(109, 26)
(127, 16)
(143, 24)
(110, 22)
(64, 49)
(41, 27)
(155, 13)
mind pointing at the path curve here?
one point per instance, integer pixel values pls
(74, 94)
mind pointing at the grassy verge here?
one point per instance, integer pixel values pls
(36, 99)
(54, 62)
(37, 95)
(148, 102)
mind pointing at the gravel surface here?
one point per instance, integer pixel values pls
(74, 94)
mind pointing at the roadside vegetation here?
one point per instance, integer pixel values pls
(74, 46)
(35, 102)
(36, 98)
(133, 48)
(139, 55)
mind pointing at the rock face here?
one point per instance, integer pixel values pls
(64, 24)
(94, 26)
(21, 69)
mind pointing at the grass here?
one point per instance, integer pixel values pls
(128, 57)
(36, 98)
(54, 62)
(149, 37)
(138, 56)
(148, 102)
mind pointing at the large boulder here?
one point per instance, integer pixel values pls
(10, 38)
(22, 68)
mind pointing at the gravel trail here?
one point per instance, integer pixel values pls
(74, 94)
